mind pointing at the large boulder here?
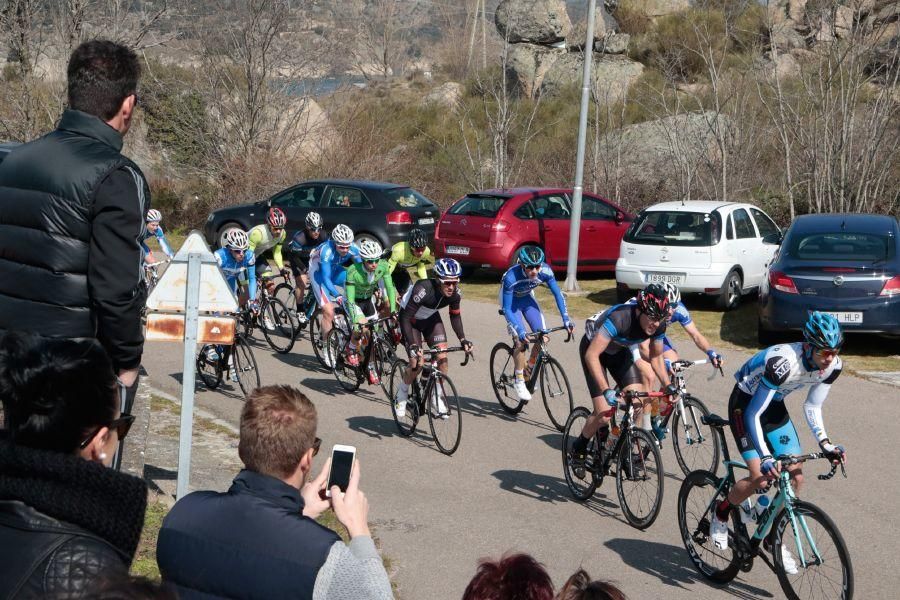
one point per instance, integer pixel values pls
(526, 64)
(611, 75)
(535, 21)
(446, 95)
(784, 36)
(655, 8)
(614, 43)
(604, 24)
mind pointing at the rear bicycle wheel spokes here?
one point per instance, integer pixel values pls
(285, 293)
(812, 536)
(316, 339)
(639, 478)
(697, 446)
(209, 371)
(502, 378)
(345, 374)
(580, 478)
(245, 366)
(444, 415)
(278, 328)
(556, 392)
(406, 424)
(382, 359)
(696, 500)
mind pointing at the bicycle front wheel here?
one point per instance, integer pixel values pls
(345, 374)
(821, 560)
(285, 293)
(580, 478)
(444, 415)
(503, 373)
(382, 359)
(278, 327)
(245, 365)
(697, 499)
(557, 393)
(406, 423)
(208, 370)
(639, 479)
(697, 446)
(317, 339)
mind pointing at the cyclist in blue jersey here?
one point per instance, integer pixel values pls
(238, 264)
(759, 419)
(611, 342)
(154, 229)
(519, 305)
(302, 243)
(327, 271)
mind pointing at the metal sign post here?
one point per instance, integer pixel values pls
(191, 319)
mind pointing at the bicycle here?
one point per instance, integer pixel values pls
(151, 274)
(693, 449)
(634, 453)
(554, 382)
(285, 293)
(316, 339)
(273, 319)
(786, 513)
(425, 396)
(245, 373)
(374, 350)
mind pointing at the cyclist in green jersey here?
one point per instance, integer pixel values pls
(406, 257)
(363, 279)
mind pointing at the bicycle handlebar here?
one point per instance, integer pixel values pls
(680, 365)
(155, 264)
(792, 459)
(536, 334)
(432, 351)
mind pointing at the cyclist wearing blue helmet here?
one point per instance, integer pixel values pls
(759, 420)
(519, 305)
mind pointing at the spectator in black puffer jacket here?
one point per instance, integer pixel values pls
(67, 521)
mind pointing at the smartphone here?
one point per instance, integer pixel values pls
(342, 458)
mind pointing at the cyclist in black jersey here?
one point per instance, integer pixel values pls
(419, 318)
(299, 248)
(611, 342)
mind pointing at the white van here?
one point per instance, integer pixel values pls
(715, 248)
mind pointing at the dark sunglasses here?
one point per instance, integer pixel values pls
(121, 425)
(236, 251)
(826, 353)
(369, 261)
(449, 283)
(532, 267)
(314, 229)
(316, 445)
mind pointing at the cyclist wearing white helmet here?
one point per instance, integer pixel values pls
(266, 241)
(419, 318)
(155, 230)
(302, 243)
(237, 263)
(327, 271)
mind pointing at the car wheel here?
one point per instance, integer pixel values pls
(223, 231)
(360, 237)
(730, 296)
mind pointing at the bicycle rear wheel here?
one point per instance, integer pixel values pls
(208, 370)
(444, 415)
(827, 572)
(581, 479)
(639, 478)
(316, 339)
(697, 498)
(382, 359)
(245, 365)
(278, 328)
(285, 293)
(406, 424)
(503, 375)
(697, 446)
(556, 392)
(345, 374)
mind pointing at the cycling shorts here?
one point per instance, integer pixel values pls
(401, 279)
(299, 264)
(528, 311)
(432, 329)
(619, 365)
(781, 435)
(318, 285)
(366, 308)
(262, 264)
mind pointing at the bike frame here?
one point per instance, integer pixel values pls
(678, 369)
(543, 354)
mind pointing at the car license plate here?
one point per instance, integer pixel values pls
(665, 278)
(853, 318)
(458, 250)
(426, 221)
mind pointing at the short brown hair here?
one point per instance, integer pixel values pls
(278, 425)
(580, 587)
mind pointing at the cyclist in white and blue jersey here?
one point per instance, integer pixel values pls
(327, 271)
(759, 419)
(519, 306)
(237, 263)
(154, 229)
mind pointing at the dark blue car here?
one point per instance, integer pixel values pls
(844, 264)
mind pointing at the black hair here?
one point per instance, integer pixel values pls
(101, 75)
(55, 392)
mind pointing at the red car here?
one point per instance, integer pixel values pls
(485, 229)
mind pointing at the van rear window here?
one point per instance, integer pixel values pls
(478, 206)
(675, 228)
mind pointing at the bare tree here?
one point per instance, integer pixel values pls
(382, 34)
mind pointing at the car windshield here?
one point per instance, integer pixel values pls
(845, 246)
(478, 206)
(408, 198)
(675, 228)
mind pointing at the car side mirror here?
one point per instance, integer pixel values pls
(772, 238)
(620, 216)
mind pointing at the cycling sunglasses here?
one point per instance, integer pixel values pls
(531, 267)
(371, 261)
(449, 284)
(122, 425)
(827, 353)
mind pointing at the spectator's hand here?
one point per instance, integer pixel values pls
(313, 493)
(352, 508)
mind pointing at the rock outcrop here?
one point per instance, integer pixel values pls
(532, 21)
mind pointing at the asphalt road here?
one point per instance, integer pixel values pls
(504, 488)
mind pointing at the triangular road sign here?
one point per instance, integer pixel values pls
(170, 291)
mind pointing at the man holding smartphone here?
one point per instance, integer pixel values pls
(260, 538)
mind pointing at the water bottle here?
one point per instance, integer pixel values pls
(613, 437)
(762, 503)
(748, 512)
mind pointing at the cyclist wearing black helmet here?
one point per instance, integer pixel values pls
(302, 243)
(611, 342)
(411, 256)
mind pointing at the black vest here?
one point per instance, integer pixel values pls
(47, 191)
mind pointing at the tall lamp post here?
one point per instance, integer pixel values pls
(571, 284)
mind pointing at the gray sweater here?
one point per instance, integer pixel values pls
(353, 572)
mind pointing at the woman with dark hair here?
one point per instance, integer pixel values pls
(513, 577)
(67, 521)
(580, 587)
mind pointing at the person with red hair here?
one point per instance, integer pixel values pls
(513, 577)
